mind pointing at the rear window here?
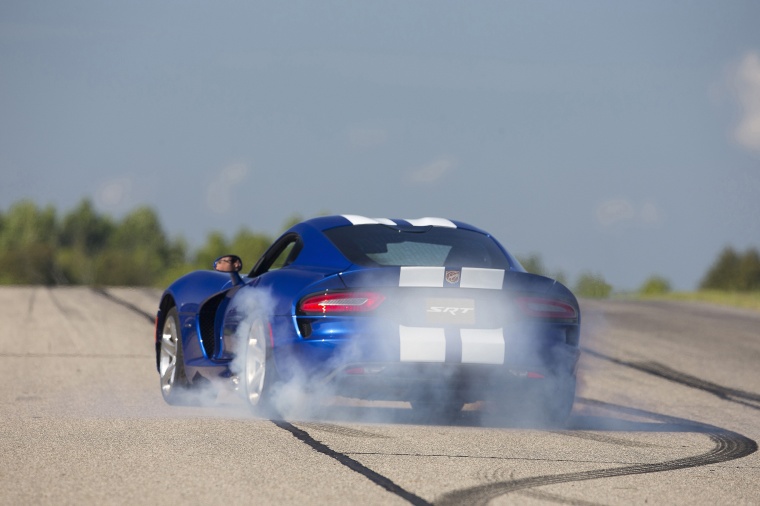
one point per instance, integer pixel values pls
(381, 245)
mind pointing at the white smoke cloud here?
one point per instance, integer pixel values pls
(302, 397)
(619, 211)
(432, 172)
(227, 395)
(747, 87)
(220, 191)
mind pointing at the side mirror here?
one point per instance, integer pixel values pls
(228, 263)
(232, 264)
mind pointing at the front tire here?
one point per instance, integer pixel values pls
(171, 364)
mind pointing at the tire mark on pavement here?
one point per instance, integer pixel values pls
(341, 430)
(729, 445)
(547, 497)
(601, 438)
(103, 293)
(662, 371)
(57, 303)
(374, 477)
(302, 435)
(32, 299)
(484, 457)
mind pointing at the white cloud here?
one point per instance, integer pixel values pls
(613, 211)
(621, 211)
(747, 84)
(431, 172)
(219, 193)
(114, 193)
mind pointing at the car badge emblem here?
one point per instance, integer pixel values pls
(452, 277)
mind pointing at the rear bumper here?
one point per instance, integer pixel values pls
(413, 381)
(370, 369)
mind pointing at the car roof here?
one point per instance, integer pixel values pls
(323, 223)
(321, 251)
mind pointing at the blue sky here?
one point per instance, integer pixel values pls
(617, 138)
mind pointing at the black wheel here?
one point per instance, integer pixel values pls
(259, 373)
(171, 366)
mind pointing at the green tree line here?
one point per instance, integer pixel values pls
(734, 271)
(84, 247)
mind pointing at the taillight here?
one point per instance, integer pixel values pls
(546, 308)
(341, 302)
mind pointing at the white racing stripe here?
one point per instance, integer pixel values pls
(422, 344)
(482, 346)
(421, 276)
(435, 222)
(473, 277)
(433, 277)
(428, 344)
(355, 219)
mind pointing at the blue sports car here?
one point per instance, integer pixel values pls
(430, 311)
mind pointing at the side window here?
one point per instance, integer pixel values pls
(283, 258)
(281, 254)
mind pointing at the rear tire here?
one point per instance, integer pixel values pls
(558, 400)
(540, 402)
(259, 372)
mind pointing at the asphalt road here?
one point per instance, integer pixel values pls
(668, 413)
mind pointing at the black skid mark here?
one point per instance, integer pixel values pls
(735, 395)
(728, 446)
(103, 293)
(352, 464)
